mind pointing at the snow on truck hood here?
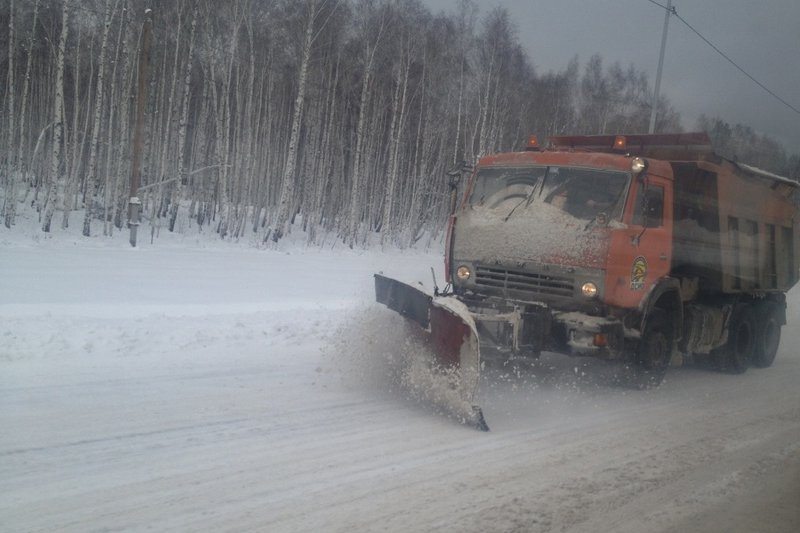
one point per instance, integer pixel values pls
(540, 233)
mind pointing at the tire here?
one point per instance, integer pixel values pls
(768, 336)
(735, 356)
(654, 350)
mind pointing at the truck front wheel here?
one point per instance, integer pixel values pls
(655, 349)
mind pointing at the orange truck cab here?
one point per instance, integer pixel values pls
(639, 247)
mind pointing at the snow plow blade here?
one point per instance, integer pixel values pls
(448, 329)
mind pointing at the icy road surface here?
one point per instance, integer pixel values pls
(223, 388)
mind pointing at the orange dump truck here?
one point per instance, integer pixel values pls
(640, 248)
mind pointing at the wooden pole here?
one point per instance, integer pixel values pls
(670, 11)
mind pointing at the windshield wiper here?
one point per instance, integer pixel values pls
(527, 199)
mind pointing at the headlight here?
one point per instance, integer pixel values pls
(463, 273)
(589, 290)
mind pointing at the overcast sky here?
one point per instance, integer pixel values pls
(761, 37)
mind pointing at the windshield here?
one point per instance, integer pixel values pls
(583, 193)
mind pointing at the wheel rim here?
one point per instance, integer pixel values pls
(656, 351)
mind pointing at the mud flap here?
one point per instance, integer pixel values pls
(450, 331)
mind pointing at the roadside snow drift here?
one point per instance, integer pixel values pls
(205, 386)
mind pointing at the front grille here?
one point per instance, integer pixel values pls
(528, 282)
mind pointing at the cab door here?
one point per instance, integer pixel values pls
(641, 253)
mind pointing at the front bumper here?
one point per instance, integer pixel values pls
(533, 328)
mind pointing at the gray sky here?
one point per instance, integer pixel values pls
(761, 37)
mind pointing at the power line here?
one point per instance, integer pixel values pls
(727, 58)
(732, 62)
(662, 6)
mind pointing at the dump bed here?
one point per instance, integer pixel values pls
(734, 226)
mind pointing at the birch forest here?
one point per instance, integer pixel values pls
(331, 117)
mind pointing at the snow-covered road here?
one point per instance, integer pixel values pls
(222, 388)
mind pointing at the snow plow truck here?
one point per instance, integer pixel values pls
(646, 249)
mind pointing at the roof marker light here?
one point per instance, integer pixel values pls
(620, 143)
(533, 143)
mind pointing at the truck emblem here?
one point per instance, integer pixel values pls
(638, 273)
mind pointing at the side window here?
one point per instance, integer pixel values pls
(649, 209)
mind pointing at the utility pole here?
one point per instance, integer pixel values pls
(134, 203)
(670, 10)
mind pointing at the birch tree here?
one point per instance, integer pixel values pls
(56, 180)
(374, 22)
(342, 113)
(184, 121)
(91, 178)
(22, 164)
(288, 181)
(10, 179)
(409, 39)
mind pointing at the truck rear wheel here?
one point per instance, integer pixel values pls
(768, 336)
(654, 351)
(735, 355)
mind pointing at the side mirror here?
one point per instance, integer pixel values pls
(641, 178)
(454, 176)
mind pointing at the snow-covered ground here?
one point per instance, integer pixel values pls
(196, 385)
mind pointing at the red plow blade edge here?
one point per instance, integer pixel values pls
(452, 375)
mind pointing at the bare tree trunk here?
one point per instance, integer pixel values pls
(200, 146)
(120, 196)
(223, 125)
(167, 106)
(458, 112)
(325, 168)
(109, 185)
(355, 187)
(56, 181)
(91, 179)
(11, 194)
(484, 115)
(269, 103)
(247, 132)
(72, 143)
(288, 183)
(219, 124)
(187, 79)
(387, 228)
(21, 163)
